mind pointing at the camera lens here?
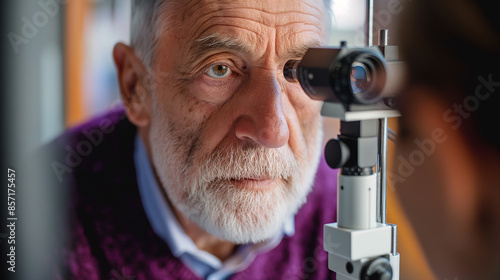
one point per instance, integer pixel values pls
(360, 78)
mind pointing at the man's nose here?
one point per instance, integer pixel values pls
(261, 115)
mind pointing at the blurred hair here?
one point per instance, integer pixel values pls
(451, 45)
(147, 18)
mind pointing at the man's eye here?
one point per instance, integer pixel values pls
(218, 71)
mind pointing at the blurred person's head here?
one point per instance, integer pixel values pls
(233, 144)
(448, 163)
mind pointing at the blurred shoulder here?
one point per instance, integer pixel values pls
(321, 205)
(91, 146)
(324, 192)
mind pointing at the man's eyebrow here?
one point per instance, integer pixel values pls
(301, 50)
(213, 42)
(201, 46)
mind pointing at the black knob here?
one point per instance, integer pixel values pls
(378, 269)
(336, 153)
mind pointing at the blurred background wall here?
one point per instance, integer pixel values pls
(57, 71)
(93, 28)
(32, 103)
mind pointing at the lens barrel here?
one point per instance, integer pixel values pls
(349, 76)
(358, 77)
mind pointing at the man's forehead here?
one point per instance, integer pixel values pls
(271, 13)
(267, 7)
(243, 24)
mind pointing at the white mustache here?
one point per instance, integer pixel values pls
(239, 163)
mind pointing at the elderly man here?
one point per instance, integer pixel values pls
(211, 171)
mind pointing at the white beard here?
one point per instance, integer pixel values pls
(201, 188)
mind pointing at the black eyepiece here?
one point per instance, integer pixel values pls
(348, 76)
(290, 70)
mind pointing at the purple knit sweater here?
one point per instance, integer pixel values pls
(111, 238)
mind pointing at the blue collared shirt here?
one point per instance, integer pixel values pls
(166, 225)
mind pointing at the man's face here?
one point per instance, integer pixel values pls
(234, 144)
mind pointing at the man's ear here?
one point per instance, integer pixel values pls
(132, 78)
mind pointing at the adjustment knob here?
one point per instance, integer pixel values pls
(336, 153)
(378, 269)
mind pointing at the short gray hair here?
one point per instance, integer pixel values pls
(146, 21)
(144, 25)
